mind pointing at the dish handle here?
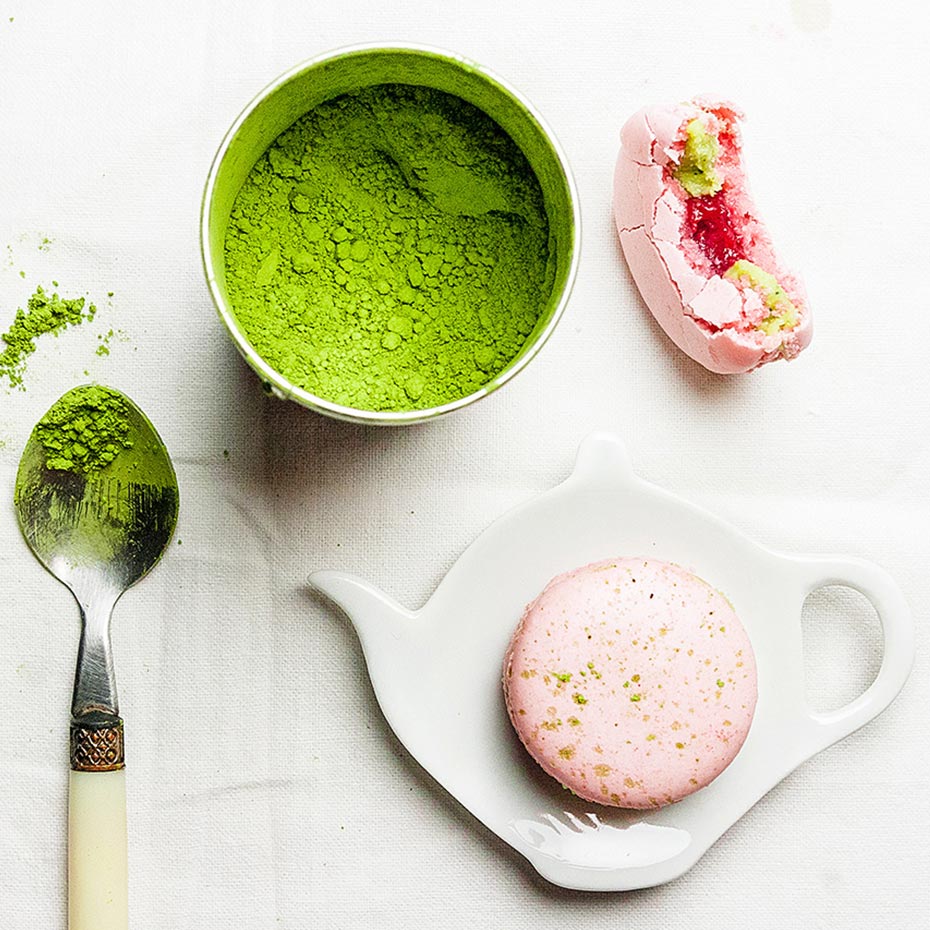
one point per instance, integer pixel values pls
(897, 632)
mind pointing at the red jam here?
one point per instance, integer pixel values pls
(710, 223)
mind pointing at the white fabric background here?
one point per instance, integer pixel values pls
(265, 789)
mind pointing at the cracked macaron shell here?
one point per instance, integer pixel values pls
(631, 681)
(712, 319)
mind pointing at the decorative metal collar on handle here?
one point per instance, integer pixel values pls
(97, 746)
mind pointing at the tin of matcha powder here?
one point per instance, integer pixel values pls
(390, 251)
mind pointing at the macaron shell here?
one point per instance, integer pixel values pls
(631, 681)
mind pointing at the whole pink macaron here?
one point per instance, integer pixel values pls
(631, 681)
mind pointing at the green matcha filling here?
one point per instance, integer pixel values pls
(784, 314)
(697, 172)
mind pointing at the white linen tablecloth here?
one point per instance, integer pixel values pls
(265, 789)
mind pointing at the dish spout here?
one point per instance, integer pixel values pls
(373, 614)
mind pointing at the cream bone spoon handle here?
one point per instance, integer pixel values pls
(97, 845)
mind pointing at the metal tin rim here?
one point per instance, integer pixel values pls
(279, 384)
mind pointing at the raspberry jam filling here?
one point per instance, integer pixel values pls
(710, 223)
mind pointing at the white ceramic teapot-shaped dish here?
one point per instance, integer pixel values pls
(437, 671)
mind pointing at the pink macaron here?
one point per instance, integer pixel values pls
(631, 681)
(698, 251)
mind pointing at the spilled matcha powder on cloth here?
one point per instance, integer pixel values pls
(45, 313)
(390, 250)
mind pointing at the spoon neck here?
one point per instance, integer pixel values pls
(94, 680)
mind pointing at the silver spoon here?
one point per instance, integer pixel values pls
(97, 501)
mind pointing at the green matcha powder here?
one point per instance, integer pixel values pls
(85, 430)
(390, 250)
(45, 313)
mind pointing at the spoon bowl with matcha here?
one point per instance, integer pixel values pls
(97, 501)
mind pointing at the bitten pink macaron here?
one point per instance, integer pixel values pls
(698, 251)
(631, 681)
